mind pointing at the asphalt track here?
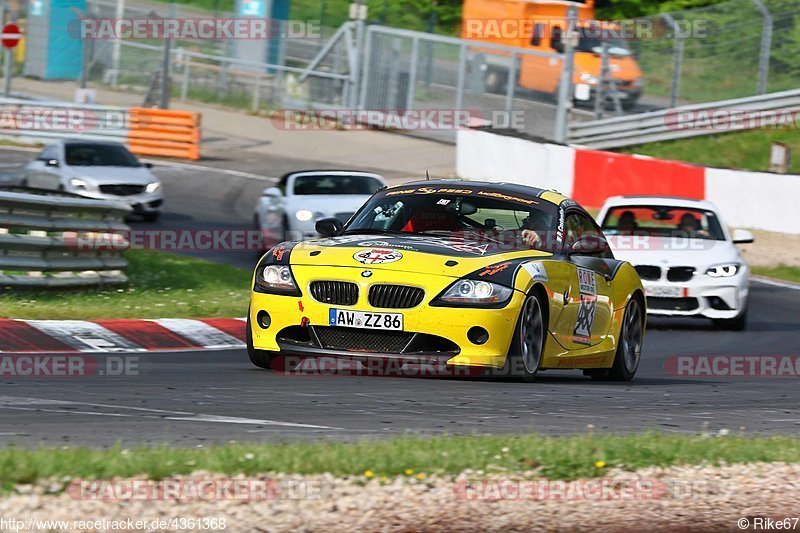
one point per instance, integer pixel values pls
(198, 398)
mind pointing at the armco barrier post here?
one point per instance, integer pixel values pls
(677, 59)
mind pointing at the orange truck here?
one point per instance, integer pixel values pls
(540, 25)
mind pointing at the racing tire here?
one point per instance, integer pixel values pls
(629, 348)
(527, 346)
(260, 358)
(737, 323)
(150, 217)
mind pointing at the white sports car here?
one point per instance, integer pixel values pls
(685, 255)
(290, 210)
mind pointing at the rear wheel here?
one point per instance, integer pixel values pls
(629, 346)
(525, 354)
(260, 358)
(629, 351)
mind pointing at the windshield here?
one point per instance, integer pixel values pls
(99, 155)
(526, 224)
(591, 40)
(663, 221)
(308, 185)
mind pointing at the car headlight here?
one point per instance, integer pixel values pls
(469, 292)
(276, 279)
(79, 184)
(304, 215)
(588, 78)
(152, 187)
(723, 271)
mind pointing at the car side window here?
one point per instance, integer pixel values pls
(579, 225)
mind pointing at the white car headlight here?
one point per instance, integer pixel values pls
(276, 278)
(79, 184)
(304, 215)
(152, 187)
(476, 293)
(723, 271)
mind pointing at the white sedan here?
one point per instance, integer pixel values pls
(685, 255)
(290, 210)
(102, 170)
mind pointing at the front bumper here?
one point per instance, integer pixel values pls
(434, 334)
(722, 298)
(140, 203)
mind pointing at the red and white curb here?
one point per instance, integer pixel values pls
(166, 334)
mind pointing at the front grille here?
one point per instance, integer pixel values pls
(122, 189)
(343, 217)
(334, 292)
(395, 296)
(649, 272)
(336, 338)
(680, 273)
(672, 304)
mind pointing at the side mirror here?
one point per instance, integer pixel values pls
(329, 227)
(742, 236)
(272, 192)
(590, 244)
(52, 163)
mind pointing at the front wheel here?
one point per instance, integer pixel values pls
(260, 358)
(629, 345)
(525, 353)
(737, 323)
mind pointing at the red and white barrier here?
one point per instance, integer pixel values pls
(757, 200)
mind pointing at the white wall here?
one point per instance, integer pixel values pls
(484, 156)
(756, 199)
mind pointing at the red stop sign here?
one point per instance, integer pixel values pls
(11, 35)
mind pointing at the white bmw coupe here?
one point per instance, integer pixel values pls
(685, 255)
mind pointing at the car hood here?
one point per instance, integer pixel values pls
(698, 253)
(114, 175)
(414, 253)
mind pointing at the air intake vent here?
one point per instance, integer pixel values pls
(334, 292)
(651, 273)
(395, 296)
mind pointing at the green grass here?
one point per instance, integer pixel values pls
(783, 272)
(747, 150)
(553, 457)
(161, 285)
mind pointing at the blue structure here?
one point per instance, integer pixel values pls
(54, 48)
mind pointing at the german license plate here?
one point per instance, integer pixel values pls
(664, 292)
(365, 320)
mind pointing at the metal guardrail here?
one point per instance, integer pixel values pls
(51, 120)
(40, 246)
(684, 121)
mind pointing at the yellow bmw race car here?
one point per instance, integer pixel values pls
(500, 277)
